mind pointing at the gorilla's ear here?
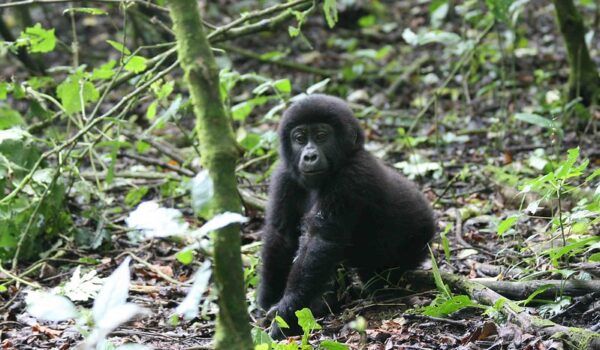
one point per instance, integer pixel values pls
(356, 137)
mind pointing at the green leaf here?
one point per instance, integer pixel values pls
(251, 142)
(3, 289)
(185, 256)
(283, 85)
(332, 345)
(87, 10)
(38, 83)
(500, 9)
(306, 320)
(449, 306)
(535, 120)
(135, 195)
(595, 257)
(9, 118)
(119, 47)
(437, 278)
(37, 39)
(506, 224)
(331, 14)
(367, 21)
(75, 89)
(135, 64)
(565, 167)
(261, 337)
(242, 110)
(571, 249)
(142, 147)
(445, 241)
(537, 292)
(105, 71)
(3, 90)
(151, 111)
(165, 90)
(281, 322)
(293, 31)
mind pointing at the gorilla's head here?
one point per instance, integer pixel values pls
(317, 134)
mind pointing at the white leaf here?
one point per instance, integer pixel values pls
(189, 306)
(112, 319)
(533, 207)
(220, 221)
(50, 307)
(13, 134)
(202, 191)
(81, 288)
(114, 291)
(117, 316)
(465, 253)
(410, 37)
(132, 346)
(318, 86)
(552, 96)
(155, 221)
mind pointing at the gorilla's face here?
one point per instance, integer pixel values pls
(313, 146)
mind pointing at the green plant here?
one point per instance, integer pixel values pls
(306, 320)
(445, 303)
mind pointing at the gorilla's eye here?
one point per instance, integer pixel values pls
(300, 137)
(321, 136)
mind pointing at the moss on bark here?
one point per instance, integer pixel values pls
(219, 156)
(584, 80)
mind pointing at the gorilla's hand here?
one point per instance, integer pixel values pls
(285, 310)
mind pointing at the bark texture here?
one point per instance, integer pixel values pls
(219, 156)
(584, 80)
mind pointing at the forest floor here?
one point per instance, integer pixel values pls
(471, 148)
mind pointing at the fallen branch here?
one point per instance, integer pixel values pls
(523, 289)
(577, 338)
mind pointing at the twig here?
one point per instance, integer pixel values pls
(458, 229)
(19, 279)
(255, 14)
(156, 270)
(286, 64)
(265, 24)
(134, 175)
(45, 2)
(154, 161)
(255, 160)
(166, 150)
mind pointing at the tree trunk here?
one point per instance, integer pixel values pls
(219, 155)
(584, 80)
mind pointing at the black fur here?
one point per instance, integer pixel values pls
(361, 213)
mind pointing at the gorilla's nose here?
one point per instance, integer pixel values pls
(310, 157)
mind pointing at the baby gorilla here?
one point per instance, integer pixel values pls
(332, 202)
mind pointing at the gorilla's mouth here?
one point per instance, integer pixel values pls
(313, 172)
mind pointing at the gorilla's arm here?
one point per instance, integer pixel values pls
(280, 236)
(322, 247)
